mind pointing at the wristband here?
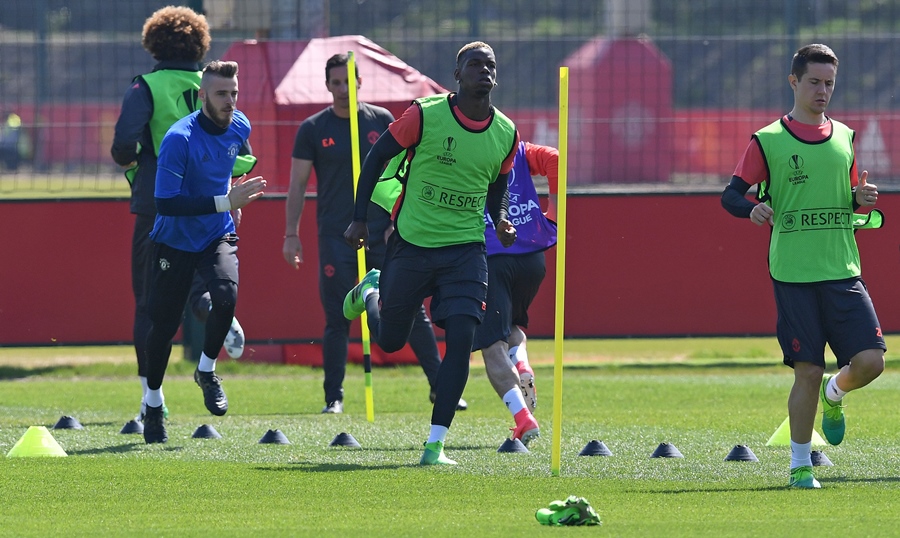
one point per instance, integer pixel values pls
(223, 204)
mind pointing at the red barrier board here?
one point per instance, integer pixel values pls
(638, 265)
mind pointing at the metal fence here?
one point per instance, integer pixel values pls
(663, 95)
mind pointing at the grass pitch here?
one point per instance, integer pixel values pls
(90, 182)
(703, 396)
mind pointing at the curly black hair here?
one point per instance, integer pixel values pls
(175, 33)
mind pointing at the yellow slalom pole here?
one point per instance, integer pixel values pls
(560, 269)
(361, 253)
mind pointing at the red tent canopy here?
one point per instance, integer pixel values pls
(621, 104)
(283, 83)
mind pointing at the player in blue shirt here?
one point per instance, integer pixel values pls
(194, 231)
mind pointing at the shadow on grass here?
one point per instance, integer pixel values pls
(414, 448)
(692, 364)
(117, 449)
(709, 490)
(310, 467)
(17, 372)
(825, 483)
(861, 480)
(86, 424)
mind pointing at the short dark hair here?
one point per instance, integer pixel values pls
(472, 46)
(815, 53)
(177, 34)
(338, 60)
(221, 68)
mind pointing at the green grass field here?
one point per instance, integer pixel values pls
(92, 182)
(703, 396)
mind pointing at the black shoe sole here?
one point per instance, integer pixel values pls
(216, 411)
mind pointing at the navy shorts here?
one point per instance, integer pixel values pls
(513, 283)
(838, 313)
(454, 276)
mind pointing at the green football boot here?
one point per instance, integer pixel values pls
(434, 455)
(803, 478)
(354, 304)
(833, 423)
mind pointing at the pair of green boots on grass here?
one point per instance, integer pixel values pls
(574, 511)
(833, 426)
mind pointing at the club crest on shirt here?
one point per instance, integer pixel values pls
(798, 176)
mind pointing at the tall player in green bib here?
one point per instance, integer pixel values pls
(459, 152)
(808, 189)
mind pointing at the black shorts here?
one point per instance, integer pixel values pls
(838, 313)
(454, 276)
(513, 283)
(176, 271)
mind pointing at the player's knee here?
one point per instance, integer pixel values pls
(223, 294)
(516, 336)
(496, 354)
(164, 330)
(391, 344)
(808, 374)
(201, 307)
(869, 362)
(390, 337)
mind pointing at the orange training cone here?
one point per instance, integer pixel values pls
(37, 441)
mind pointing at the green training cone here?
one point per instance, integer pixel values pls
(37, 441)
(782, 436)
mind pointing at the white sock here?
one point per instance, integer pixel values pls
(514, 400)
(206, 364)
(512, 354)
(367, 292)
(519, 354)
(438, 433)
(154, 398)
(144, 388)
(833, 392)
(800, 455)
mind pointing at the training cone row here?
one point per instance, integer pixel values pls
(36, 442)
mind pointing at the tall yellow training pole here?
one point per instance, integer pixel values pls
(560, 269)
(361, 253)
